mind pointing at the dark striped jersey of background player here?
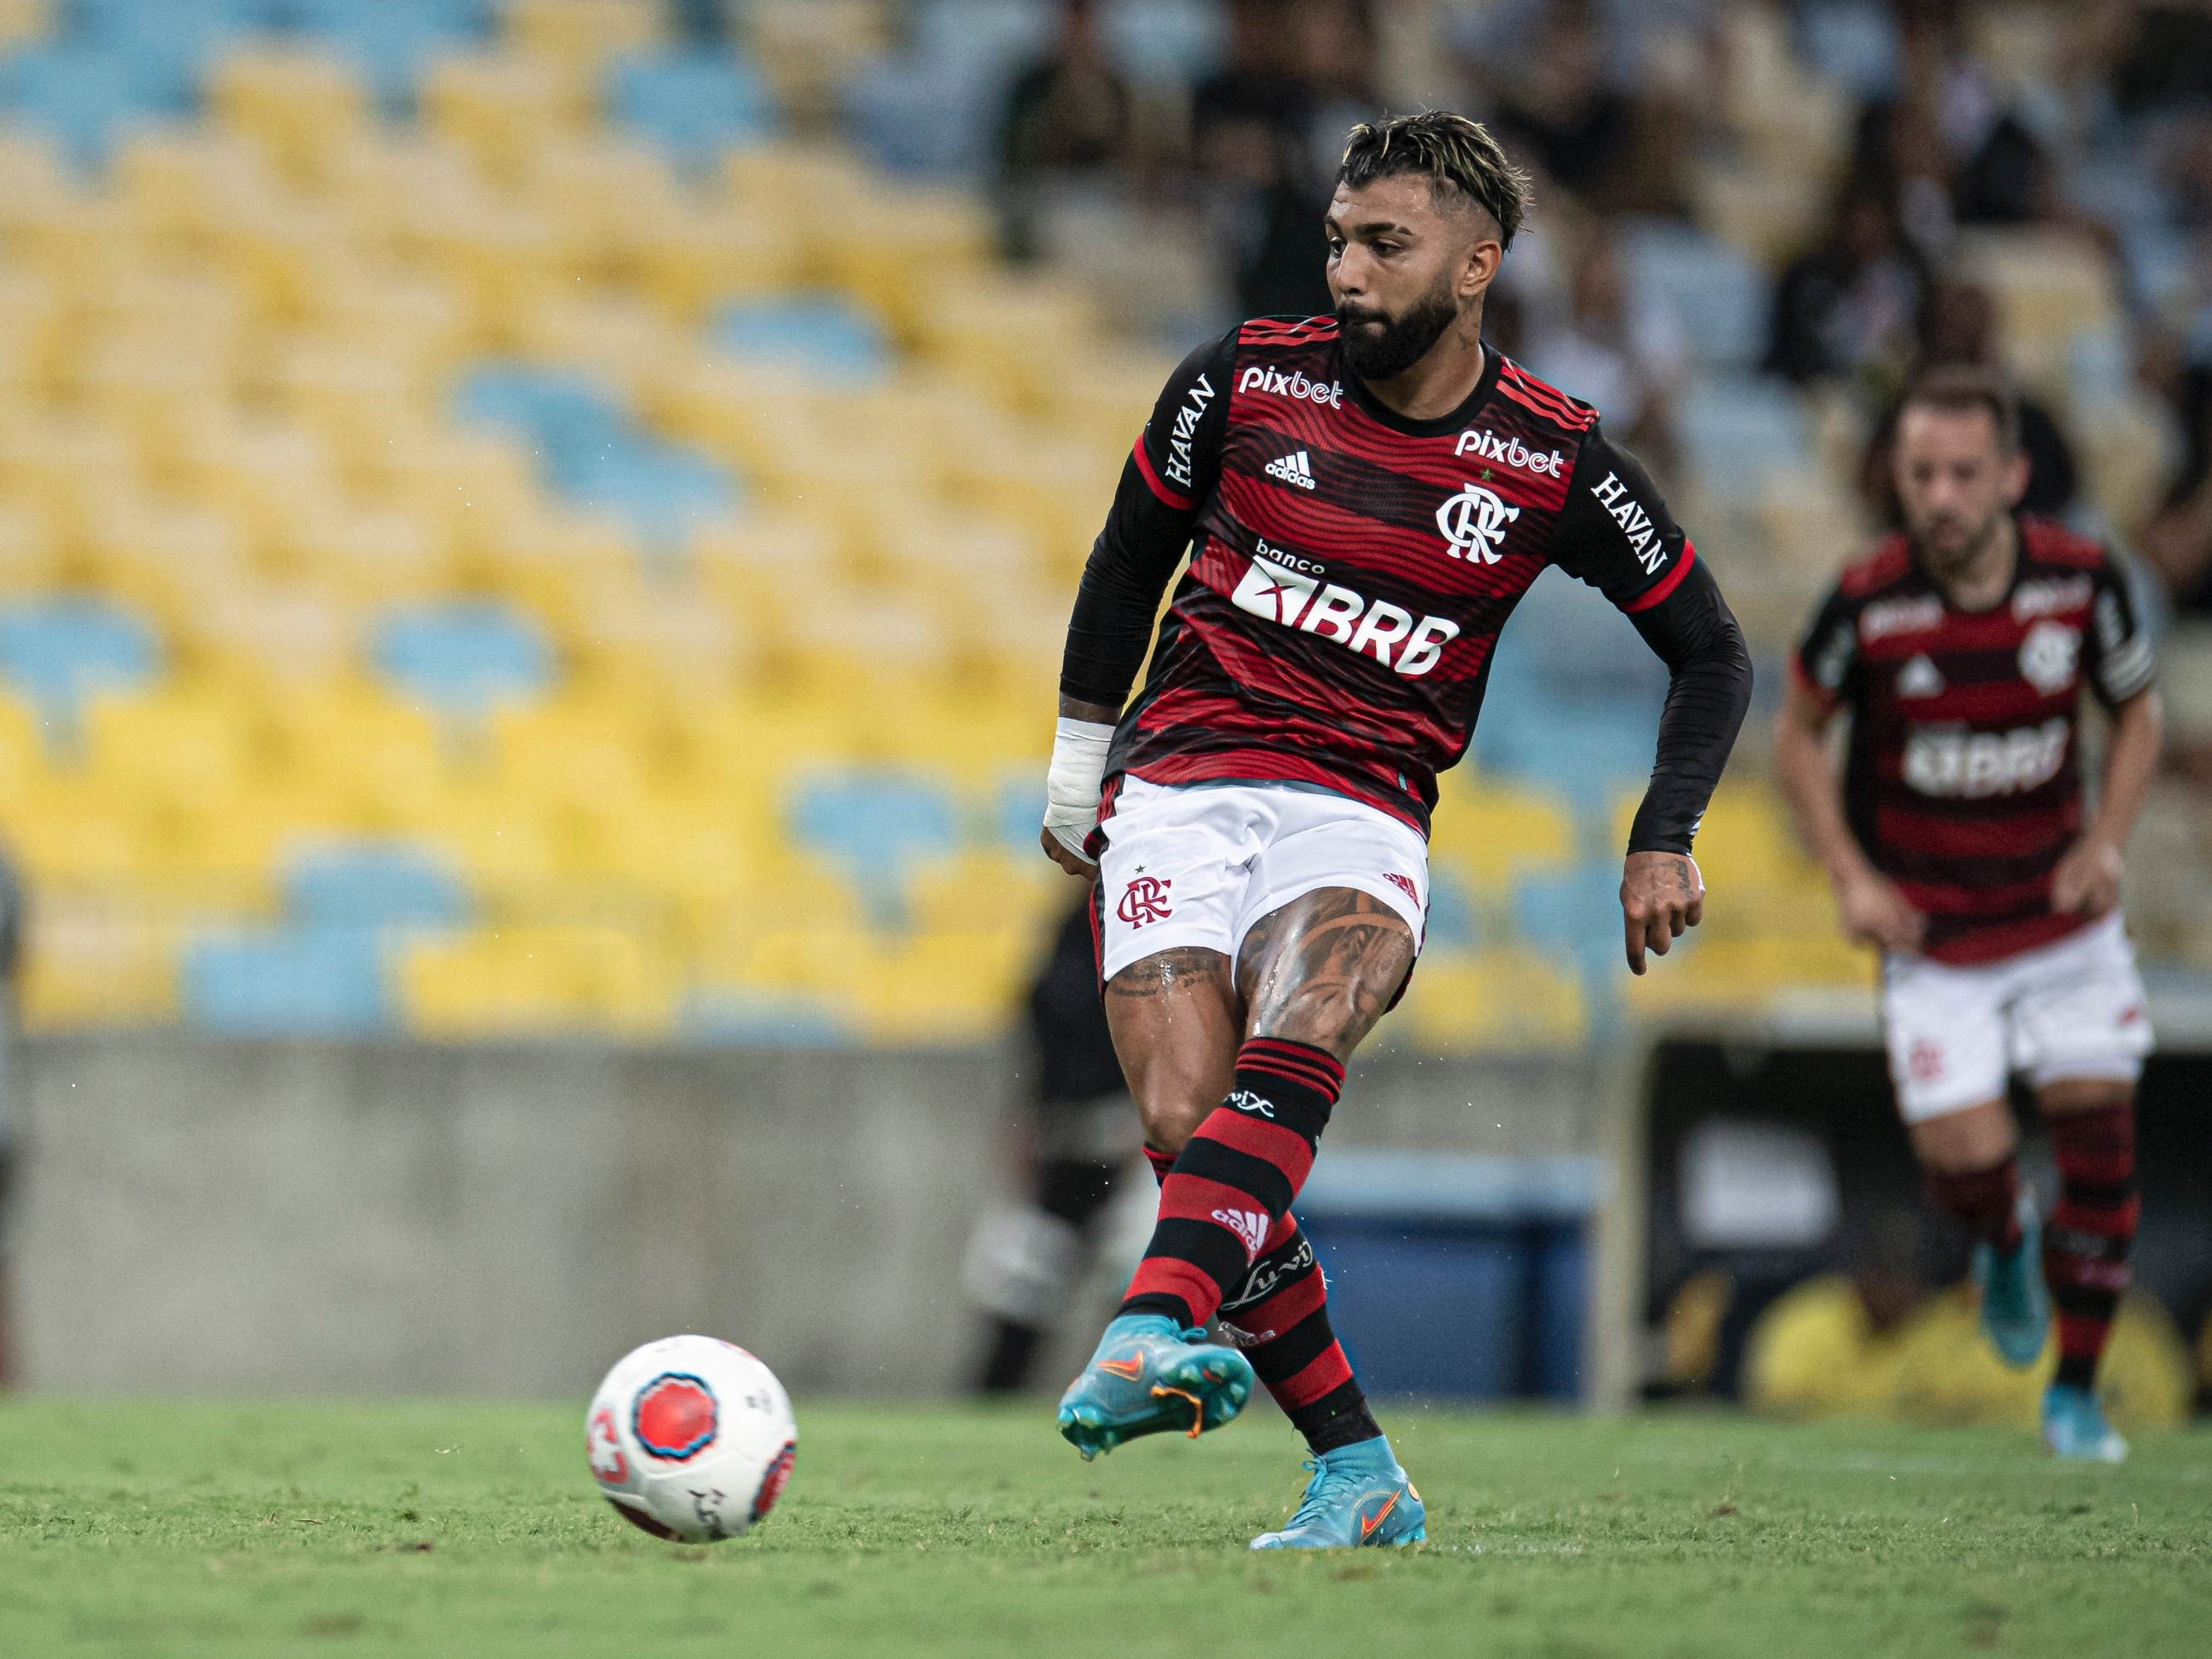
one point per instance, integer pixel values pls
(1351, 570)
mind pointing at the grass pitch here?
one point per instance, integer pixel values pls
(431, 1528)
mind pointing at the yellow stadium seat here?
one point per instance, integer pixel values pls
(160, 556)
(1489, 833)
(579, 35)
(940, 988)
(73, 469)
(371, 557)
(30, 336)
(875, 247)
(388, 184)
(71, 239)
(709, 254)
(475, 486)
(89, 963)
(1741, 976)
(30, 556)
(507, 258)
(1498, 999)
(612, 190)
(354, 395)
(270, 477)
(1012, 338)
(1745, 838)
(189, 189)
(33, 183)
(287, 635)
(500, 106)
(796, 183)
(299, 105)
(537, 980)
(1008, 892)
(621, 340)
(25, 20)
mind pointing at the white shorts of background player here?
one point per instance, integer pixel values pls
(2072, 1008)
(1199, 864)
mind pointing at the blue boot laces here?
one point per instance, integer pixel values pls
(1325, 1485)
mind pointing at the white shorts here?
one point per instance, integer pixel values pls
(2070, 1009)
(1200, 865)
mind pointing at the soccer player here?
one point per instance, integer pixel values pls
(1366, 496)
(1958, 842)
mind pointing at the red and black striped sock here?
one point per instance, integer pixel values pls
(1984, 1200)
(1161, 1163)
(2085, 1247)
(1280, 1318)
(1235, 1180)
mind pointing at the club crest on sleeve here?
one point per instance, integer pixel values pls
(675, 1416)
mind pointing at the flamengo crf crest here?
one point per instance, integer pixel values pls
(1473, 522)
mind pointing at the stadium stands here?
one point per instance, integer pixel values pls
(498, 536)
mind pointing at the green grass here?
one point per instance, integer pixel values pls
(152, 1529)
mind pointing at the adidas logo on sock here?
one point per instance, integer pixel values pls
(1249, 1225)
(1292, 469)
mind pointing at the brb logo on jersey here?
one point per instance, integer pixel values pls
(1473, 522)
(1947, 761)
(1145, 901)
(1286, 596)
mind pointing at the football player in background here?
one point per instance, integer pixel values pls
(1366, 497)
(1958, 841)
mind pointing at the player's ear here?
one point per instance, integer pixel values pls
(2015, 476)
(1478, 263)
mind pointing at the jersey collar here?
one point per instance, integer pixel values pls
(1444, 425)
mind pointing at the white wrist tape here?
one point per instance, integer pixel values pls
(1072, 782)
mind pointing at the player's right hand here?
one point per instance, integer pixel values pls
(1875, 913)
(1074, 864)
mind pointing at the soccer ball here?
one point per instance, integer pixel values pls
(690, 1438)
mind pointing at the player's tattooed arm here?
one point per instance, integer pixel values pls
(1323, 969)
(1662, 897)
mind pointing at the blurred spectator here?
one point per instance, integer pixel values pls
(1958, 325)
(1624, 362)
(1067, 119)
(2177, 542)
(1899, 159)
(2168, 62)
(1554, 105)
(1024, 1263)
(1851, 307)
(1267, 134)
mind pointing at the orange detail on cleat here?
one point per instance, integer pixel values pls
(1130, 1369)
(1367, 1526)
(1197, 1411)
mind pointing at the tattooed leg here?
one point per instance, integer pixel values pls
(1322, 969)
(1177, 1019)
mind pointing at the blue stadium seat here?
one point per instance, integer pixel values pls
(57, 653)
(1577, 915)
(873, 824)
(1452, 924)
(392, 41)
(308, 982)
(934, 108)
(1020, 812)
(591, 451)
(169, 43)
(1736, 432)
(83, 95)
(463, 658)
(694, 103)
(1588, 749)
(757, 1019)
(372, 885)
(824, 334)
(1716, 297)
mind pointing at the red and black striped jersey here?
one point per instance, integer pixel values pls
(1963, 782)
(1350, 568)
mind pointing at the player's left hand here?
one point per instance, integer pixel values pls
(2086, 881)
(1662, 896)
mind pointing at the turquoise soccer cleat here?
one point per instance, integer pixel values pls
(2075, 1428)
(2015, 1305)
(1146, 1377)
(1358, 1496)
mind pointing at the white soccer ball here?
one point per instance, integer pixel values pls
(691, 1439)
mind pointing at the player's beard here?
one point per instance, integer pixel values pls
(1962, 552)
(1384, 354)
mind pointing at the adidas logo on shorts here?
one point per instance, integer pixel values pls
(1292, 469)
(1249, 1225)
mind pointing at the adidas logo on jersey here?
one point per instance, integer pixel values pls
(1383, 630)
(1249, 1225)
(1292, 469)
(1919, 678)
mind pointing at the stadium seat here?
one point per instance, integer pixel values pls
(693, 104)
(1575, 915)
(1487, 832)
(80, 94)
(316, 982)
(824, 336)
(371, 884)
(872, 826)
(459, 659)
(1507, 999)
(536, 981)
(392, 40)
(58, 653)
(301, 105)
